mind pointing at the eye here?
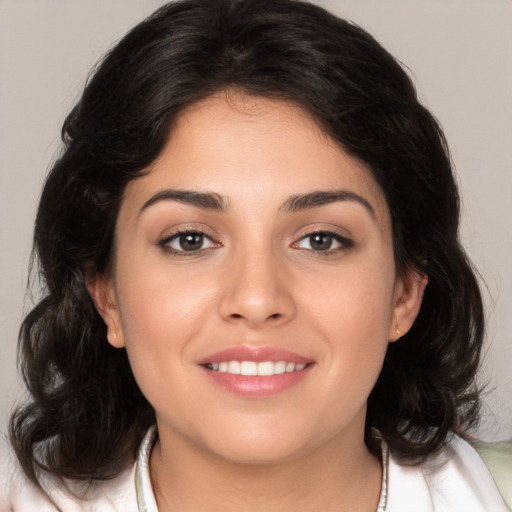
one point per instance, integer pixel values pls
(324, 241)
(187, 242)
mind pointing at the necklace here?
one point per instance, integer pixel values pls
(146, 499)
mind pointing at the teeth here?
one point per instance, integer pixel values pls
(251, 368)
(234, 367)
(248, 368)
(279, 367)
(266, 368)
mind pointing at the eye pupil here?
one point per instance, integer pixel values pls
(321, 242)
(191, 241)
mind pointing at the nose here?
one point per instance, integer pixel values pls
(257, 292)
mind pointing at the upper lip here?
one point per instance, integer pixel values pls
(256, 354)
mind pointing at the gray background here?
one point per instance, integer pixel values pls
(460, 54)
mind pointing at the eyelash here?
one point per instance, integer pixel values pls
(164, 244)
(345, 243)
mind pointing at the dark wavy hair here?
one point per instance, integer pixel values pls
(86, 415)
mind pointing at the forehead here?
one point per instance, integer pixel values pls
(230, 119)
(238, 145)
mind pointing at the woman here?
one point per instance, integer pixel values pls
(254, 282)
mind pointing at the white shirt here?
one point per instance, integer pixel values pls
(456, 480)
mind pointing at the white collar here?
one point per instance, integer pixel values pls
(145, 498)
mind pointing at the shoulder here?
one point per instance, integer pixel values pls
(18, 494)
(455, 479)
(498, 458)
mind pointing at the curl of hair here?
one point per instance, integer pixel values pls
(86, 415)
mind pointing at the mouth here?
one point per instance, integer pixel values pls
(255, 372)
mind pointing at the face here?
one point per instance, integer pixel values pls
(254, 285)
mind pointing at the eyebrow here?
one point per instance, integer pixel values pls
(215, 202)
(320, 198)
(204, 200)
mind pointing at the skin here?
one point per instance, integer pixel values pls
(257, 279)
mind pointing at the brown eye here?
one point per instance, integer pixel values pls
(324, 241)
(321, 241)
(189, 241)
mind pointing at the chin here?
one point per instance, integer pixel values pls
(260, 454)
(260, 446)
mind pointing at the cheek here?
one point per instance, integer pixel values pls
(157, 300)
(157, 319)
(163, 314)
(351, 313)
(357, 298)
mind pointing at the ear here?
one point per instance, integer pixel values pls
(102, 291)
(408, 295)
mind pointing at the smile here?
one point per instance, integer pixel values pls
(253, 368)
(256, 371)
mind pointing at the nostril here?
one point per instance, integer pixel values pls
(274, 316)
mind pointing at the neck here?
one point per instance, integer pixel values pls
(339, 475)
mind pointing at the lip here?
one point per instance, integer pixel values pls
(256, 386)
(256, 354)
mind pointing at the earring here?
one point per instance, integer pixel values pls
(396, 329)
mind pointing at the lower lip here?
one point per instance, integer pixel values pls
(256, 387)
